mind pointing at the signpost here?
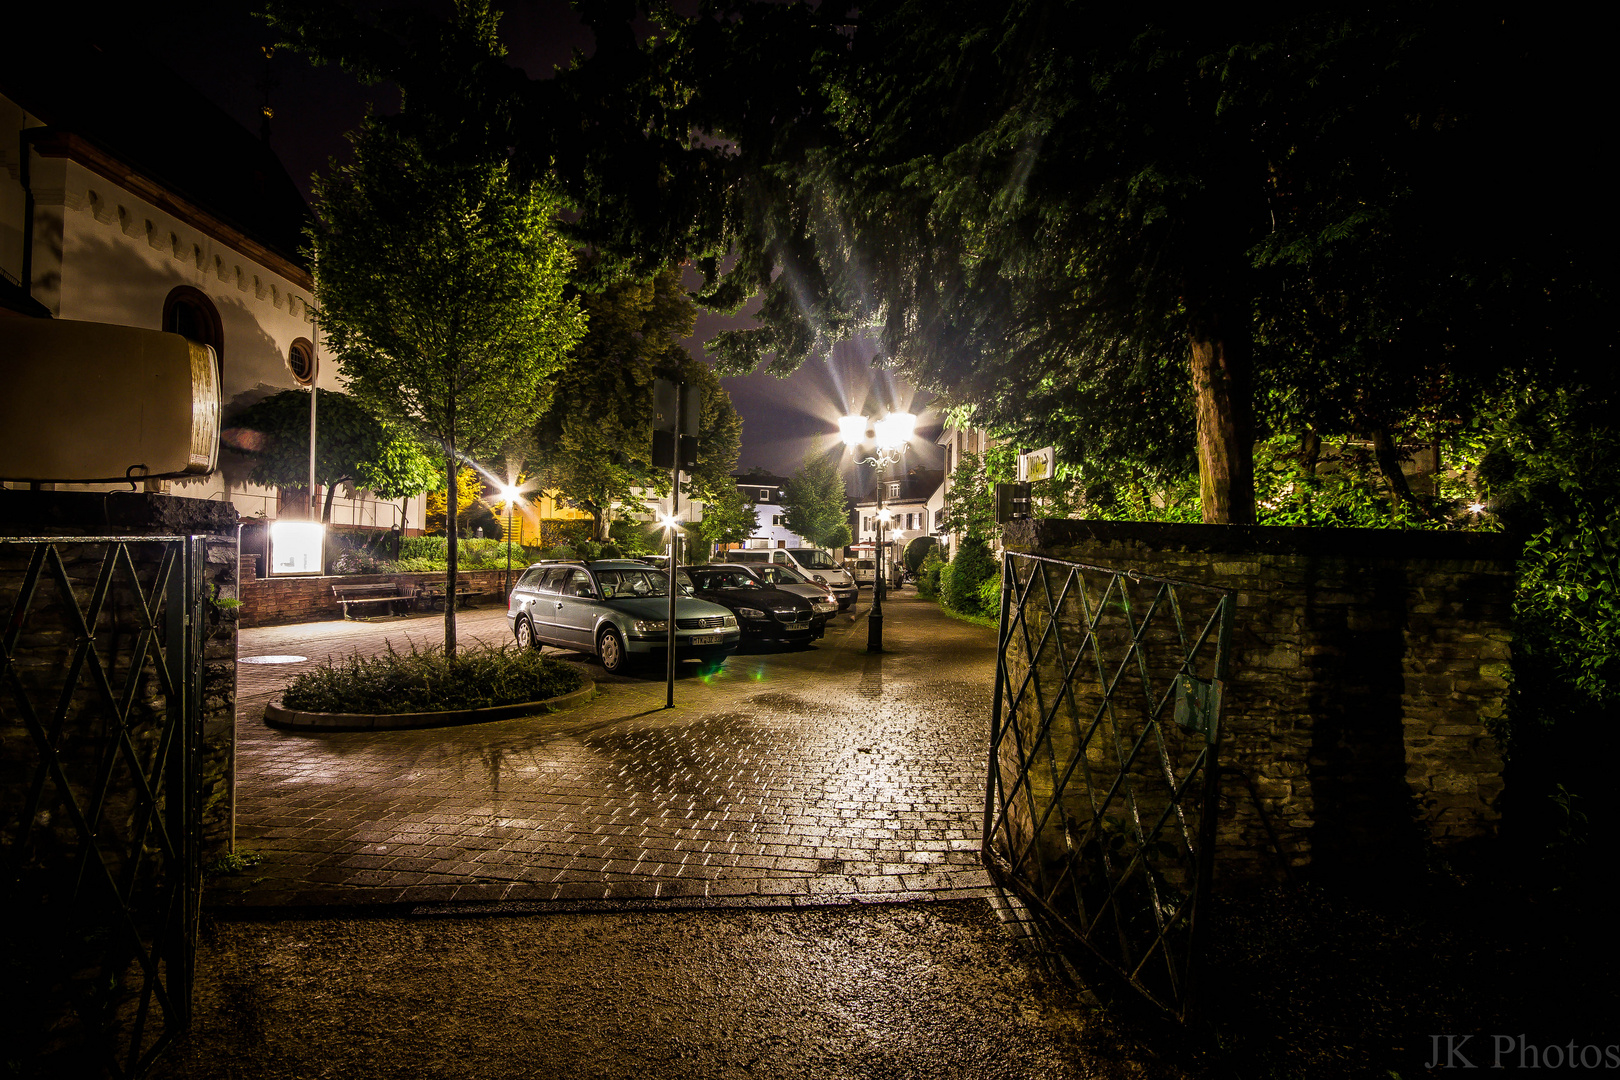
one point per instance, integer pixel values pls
(676, 410)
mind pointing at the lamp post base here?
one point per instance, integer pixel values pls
(874, 632)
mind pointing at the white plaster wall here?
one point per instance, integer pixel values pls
(120, 256)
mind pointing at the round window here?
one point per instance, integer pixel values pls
(301, 360)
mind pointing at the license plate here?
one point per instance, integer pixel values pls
(704, 639)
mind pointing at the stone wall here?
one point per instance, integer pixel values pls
(1366, 667)
(282, 600)
(45, 647)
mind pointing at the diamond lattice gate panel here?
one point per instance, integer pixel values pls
(100, 692)
(1100, 808)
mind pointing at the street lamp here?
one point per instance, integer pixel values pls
(510, 494)
(890, 436)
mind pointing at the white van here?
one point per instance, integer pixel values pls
(814, 563)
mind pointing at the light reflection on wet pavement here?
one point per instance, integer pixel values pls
(819, 776)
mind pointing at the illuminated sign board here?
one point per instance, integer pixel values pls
(295, 547)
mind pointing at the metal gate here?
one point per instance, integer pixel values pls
(100, 737)
(1102, 793)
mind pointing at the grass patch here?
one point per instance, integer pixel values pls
(977, 620)
(479, 677)
(232, 864)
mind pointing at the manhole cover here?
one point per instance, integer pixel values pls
(272, 659)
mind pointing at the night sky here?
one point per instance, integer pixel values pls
(216, 46)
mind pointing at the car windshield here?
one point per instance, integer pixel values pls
(729, 579)
(782, 575)
(628, 584)
(814, 558)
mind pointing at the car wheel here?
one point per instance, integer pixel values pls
(524, 632)
(610, 647)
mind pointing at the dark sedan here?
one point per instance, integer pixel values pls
(763, 613)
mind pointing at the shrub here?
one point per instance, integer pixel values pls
(990, 596)
(928, 576)
(360, 561)
(917, 551)
(971, 567)
(479, 677)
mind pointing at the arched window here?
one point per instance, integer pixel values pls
(189, 313)
(301, 361)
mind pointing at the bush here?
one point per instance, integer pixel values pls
(917, 552)
(360, 561)
(928, 576)
(632, 538)
(431, 553)
(426, 681)
(972, 566)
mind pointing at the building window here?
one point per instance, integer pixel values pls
(776, 519)
(301, 361)
(922, 521)
(764, 495)
(894, 490)
(189, 313)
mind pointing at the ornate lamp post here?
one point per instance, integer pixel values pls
(890, 436)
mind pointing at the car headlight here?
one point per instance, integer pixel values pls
(651, 626)
(750, 613)
(819, 579)
(728, 622)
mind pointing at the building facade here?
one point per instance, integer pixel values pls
(128, 198)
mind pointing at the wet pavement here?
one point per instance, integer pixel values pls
(621, 890)
(936, 990)
(819, 776)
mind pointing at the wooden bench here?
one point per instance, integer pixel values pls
(431, 594)
(387, 592)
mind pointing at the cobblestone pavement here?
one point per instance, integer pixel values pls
(820, 776)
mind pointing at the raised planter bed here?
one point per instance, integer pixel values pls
(292, 720)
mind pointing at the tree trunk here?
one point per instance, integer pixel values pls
(1220, 378)
(331, 490)
(1389, 464)
(601, 527)
(452, 541)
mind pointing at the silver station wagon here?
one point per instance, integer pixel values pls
(618, 610)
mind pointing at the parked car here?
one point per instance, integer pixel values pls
(763, 613)
(779, 576)
(814, 563)
(617, 610)
(864, 571)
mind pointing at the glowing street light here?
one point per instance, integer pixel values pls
(509, 495)
(891, 434)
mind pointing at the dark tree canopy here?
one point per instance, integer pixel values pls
(351, 446)
(594, 443)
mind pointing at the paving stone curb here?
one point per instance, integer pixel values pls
(277, 716)
(334, 903)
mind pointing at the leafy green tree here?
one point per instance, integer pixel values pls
(594, 444)
(815, 503)
(440, 272)
(351, 447)
(727, 518)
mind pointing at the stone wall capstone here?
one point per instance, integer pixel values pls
(1367, 669)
